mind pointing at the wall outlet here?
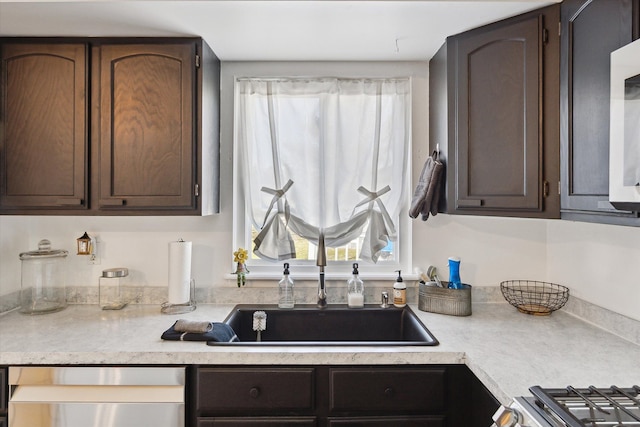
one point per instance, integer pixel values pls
(94, 258)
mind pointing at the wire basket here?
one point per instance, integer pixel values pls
(531, 297)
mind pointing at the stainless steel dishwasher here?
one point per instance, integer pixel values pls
(96, 396)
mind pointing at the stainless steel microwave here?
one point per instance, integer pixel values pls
(624, 137)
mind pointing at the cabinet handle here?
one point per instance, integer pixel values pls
(69, 202)
(254, 392)
(113, 202)
(469, 203)
(388, 392)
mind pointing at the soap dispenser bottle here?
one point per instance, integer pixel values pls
(454, 273)
(355, 289)
(285, 289)
(399, 292)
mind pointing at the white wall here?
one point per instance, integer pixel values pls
(138, 243)
(600, 264)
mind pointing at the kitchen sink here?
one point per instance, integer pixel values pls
(329, 326)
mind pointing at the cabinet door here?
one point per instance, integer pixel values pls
(591, 30)
(498, 116)
(43, 113)
(147, 137)
(500, 159)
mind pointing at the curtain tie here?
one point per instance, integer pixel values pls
(277, 195)
(373, 196)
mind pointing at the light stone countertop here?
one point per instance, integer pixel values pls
(507, 350)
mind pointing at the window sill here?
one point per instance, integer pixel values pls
(263, 276)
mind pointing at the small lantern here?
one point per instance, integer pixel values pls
(84, 244)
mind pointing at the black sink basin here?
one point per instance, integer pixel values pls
(333, 325)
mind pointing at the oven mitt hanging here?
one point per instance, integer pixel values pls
(427, 194)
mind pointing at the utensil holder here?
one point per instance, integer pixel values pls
(454, 302)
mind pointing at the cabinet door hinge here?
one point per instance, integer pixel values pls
(196, 190)
(559, 29)
(559, 188)
(197, 61)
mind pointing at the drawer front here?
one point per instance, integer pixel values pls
(371, 389)
(270, 389)
(83, 414)
(258, 422)
(388, 422)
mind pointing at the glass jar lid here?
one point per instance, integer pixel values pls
(44, 251)
(115, 272)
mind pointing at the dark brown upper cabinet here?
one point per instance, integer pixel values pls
(43, 127)
(146, 150)
(591, 30)
(146, 144)
(494, 115)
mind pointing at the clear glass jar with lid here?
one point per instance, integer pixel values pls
(114, 291)
(42, 288)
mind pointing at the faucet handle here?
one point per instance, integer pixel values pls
(322, 292)
(385, 299)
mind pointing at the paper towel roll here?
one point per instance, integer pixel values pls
(179, 272)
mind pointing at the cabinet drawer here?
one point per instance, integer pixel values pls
(231, 389)
(388, 422)
(257, 422)
(371, 389)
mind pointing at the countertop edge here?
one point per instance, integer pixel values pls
(506, 350)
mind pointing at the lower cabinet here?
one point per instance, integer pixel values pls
(332, 396)
(329, 396)
(3, 396)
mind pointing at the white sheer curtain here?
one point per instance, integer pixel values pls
(322, 157)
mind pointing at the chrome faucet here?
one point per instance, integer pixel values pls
(321, 261)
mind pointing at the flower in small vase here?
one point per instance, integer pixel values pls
(240, 257)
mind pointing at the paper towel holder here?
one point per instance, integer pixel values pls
(169, 308)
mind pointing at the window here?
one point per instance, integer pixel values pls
(322, 160)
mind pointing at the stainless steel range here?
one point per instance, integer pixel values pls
(571, 407)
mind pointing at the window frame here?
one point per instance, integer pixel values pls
(264, 269)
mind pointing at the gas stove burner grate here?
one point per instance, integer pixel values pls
(591, 407)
